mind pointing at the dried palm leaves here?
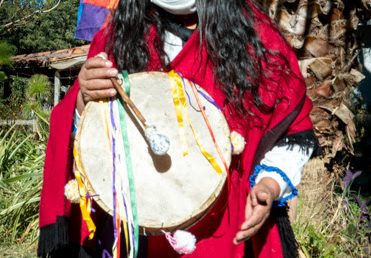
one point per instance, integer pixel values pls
(322, 32)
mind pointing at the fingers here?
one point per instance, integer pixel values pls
(94, 78)
(252, 195)
(252, 224)
(97, 94)
(249, 208)
(257, 210)
(102, 55)
(248, 213)
(97, 67)
(262, 197)
(246, 234)
(97, 87)
(259, 214)
(99, 61)
(97, 73)
(260, 194)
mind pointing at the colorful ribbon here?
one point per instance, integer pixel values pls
(130, 176)
(85, 201)
(124, 201)
(180, 104)
(195, 92)
(126, 82)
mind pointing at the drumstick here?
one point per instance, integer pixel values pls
(158, 143)
(128, 101)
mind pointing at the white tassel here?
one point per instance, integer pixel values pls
(71, 191)
(182, 241)
(238, 143)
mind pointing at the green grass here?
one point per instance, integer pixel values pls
(328, 219)
(21, 162)
(19, 250)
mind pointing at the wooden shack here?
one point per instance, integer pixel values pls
(61, 66)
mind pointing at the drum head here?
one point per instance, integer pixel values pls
(172, 191)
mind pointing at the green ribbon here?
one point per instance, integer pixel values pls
(129, 165)
(126, 82)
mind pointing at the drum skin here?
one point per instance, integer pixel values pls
(173, 191)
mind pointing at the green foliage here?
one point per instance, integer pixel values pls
(38, 93)
(21, 163)
(41, 31)
(6, 51)
(12, 107)
(2, 77)
(38, 88)
(29, 97)
(314, 243)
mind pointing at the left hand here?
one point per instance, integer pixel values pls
(258, 207)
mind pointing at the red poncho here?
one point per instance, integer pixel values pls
(216, 230)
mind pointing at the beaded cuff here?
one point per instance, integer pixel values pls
(282, 201)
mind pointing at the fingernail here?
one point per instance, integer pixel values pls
(244, 227)
(113, 72)
(237, 241)
(246, 224)
(108, 63)
(112, 92)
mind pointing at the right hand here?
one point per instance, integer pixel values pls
(258, 206)
(94, 79)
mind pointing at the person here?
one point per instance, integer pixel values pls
(235, 52)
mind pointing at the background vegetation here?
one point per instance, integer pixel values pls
(26, 27)
(36, 25)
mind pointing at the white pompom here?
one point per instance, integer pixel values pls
(71, 191)
(182, 241)
(238, 143)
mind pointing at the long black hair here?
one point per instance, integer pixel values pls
(227, 29)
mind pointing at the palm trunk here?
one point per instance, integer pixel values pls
(323, 34)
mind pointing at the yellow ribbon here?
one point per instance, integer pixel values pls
(180, 103)
(207, 155)
(85, 203)
(126, 231)
(105, 112)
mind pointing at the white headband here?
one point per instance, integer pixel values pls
(177, 7)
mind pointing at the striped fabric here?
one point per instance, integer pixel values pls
(92, 15)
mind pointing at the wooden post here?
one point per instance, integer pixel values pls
(17, 122)
(57, 87)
